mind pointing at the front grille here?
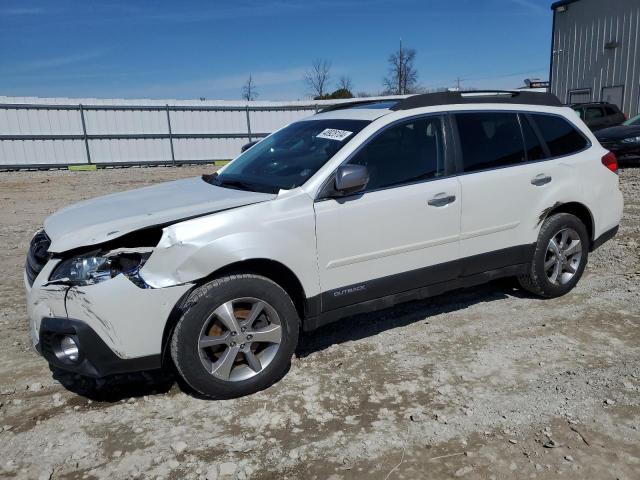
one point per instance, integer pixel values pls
(38, 255)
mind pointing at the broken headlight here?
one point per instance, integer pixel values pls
(96, 268)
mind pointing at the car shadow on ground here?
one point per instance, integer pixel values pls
(117, 387)
(134, 385)
(372, 323)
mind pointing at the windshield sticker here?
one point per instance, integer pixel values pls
(334, 134)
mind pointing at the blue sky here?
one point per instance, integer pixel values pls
(192, 49)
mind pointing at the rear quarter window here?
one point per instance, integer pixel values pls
(561, 137)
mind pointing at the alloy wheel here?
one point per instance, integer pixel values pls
(240, 339)
(563, 256)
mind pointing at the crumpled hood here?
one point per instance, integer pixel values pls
(108, 217)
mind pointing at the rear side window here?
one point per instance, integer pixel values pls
(561, 137)
(489, 140)
(593, 113)
(610, 111)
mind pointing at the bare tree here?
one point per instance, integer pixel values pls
(249, 91)
(345, 83)
(317, 77)
(402, 77)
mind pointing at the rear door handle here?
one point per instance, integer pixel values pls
(441, 200)
(540, 180)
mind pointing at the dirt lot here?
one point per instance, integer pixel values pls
(476, 384)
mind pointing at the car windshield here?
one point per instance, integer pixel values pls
(633, 121)
(289, 157)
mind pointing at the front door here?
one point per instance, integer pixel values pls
(401, 233)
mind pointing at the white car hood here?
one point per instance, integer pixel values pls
(106, 218)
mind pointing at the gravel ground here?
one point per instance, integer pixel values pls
(481, 383)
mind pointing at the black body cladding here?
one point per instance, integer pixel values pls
(96, 358)
(443, 272)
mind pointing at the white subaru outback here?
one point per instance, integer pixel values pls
(354, 209)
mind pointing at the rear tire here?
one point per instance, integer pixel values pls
(560, 257)
(235, 337)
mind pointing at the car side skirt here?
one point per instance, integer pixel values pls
(416, 284)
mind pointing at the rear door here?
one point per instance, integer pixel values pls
(500, 183)
(402, 232)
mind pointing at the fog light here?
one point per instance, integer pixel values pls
(67, 350)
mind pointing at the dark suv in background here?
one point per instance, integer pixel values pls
(599, 115)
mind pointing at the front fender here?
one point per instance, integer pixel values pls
(281, 230)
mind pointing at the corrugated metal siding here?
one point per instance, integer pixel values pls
(133, 150)
(194, 121)
(43, 152)
(202, 148)
(270, 121)
(113, 122)
(580, 59)
(39, 122)
(108, 121)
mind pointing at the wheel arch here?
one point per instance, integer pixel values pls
(574, 208)
(271, 269)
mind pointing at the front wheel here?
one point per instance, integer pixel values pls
(236, 336)
(559, 258)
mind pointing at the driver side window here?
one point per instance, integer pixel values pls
(409, 152)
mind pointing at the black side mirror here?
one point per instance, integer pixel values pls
(247, 146)
(351, 179)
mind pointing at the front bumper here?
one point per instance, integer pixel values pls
(95, 358)
(118, 326)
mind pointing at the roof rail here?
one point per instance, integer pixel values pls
(478, 96)
(356, 103)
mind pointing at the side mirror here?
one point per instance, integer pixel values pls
(351, 179)
(247, 146)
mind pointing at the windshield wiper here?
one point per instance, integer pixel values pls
(213, 179)
(238, 184)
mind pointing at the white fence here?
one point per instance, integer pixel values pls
(58, 132)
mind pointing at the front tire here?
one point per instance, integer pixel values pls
(560, 257)
(235, 337)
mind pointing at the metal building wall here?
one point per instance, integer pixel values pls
(595, 51)
(50, 132)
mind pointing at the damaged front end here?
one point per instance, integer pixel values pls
(91, 312)
(98, 266)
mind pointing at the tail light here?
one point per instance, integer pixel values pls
(610, 161)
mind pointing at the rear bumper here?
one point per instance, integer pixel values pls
(95, 359)
(606, 236)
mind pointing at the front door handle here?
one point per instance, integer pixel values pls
(441, 200)
(540, 180)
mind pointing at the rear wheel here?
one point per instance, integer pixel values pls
(236, 336)
(559, 258)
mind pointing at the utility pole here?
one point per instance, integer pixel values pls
(400, 72)
(458, 80)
